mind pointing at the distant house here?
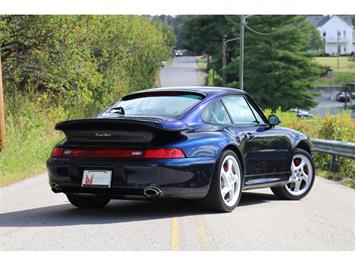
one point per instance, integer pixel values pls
(337, 33)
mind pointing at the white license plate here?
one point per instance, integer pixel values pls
(98, 178)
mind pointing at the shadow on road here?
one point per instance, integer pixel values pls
(118, 211)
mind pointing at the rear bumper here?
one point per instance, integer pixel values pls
(178, 178)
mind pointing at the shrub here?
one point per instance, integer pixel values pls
(339, 127)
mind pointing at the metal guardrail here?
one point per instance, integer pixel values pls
(333, 147)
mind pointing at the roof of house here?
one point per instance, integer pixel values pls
(319, 21)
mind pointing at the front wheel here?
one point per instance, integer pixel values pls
(301, 179)
(226, 185)
(87, 201)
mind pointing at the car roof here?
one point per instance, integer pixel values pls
(206, 90)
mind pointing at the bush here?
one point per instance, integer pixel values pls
(324, 70)
(339, 127)
(82, 60)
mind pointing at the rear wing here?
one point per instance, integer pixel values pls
(120, 130)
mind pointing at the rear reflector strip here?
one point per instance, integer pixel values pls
(162, 153)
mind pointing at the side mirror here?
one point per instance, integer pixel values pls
(273, 120)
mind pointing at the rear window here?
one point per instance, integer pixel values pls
(171, 104)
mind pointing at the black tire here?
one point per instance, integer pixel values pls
(88, 201)
(214, 200)
(283, 193)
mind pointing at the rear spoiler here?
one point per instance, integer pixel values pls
(103, 130)
(106, 123)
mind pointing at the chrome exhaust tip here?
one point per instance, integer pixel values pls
(56, 189)
(153, 192)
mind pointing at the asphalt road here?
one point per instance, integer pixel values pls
(182, 72)
(34, 218)
(327, 105)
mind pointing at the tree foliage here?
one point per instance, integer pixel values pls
(277, 68)
(88, 60)
(202, 33)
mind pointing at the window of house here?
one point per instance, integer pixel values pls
(339, 33)
(344, 33)
(324, 34)
(344, 49)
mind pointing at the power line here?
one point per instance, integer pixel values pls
(257, 32)
(268, 33)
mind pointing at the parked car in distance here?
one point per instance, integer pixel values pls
(179, 53)
(342, 97)
(205, 143)
(300, 112)
(162, 64)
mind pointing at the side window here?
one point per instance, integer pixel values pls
(216, 114)
(239, 110)
(256, 114)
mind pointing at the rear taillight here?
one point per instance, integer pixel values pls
(57, 152)
(162, 153)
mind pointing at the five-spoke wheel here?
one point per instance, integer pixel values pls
(230, 180)
(301, 179)
(226, 184)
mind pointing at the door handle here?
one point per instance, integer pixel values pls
(249, 136)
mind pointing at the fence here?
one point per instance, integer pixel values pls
(334, 148)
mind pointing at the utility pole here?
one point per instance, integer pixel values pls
(224, 60)
(330, 83)
(224, 56)
(241, 62)
(338, 49)
(2, 111)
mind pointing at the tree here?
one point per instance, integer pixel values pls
(203, 33)
(87, 60)
(278, 72)
(315, 43)
(277, 69)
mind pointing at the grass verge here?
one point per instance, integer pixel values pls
(340, 75)
(30, 136)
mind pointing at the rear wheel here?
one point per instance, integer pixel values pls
(88, 201)
(225, 189)
(301, 179)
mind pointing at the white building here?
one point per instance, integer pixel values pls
(337, 33)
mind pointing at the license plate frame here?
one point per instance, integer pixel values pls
(97, 178)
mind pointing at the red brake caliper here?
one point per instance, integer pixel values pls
(297, 162)
(225, 166)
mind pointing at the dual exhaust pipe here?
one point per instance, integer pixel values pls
(152, 192)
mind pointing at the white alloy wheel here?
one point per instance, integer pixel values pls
(301, 175)
(230, 180)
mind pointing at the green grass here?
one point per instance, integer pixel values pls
(345, 63)
(30, 137)
(202, 63)
(344, 74)
(349, 181)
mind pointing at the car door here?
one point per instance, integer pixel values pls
(267, 150)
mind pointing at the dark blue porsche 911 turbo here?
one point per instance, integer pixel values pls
(203, 143)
